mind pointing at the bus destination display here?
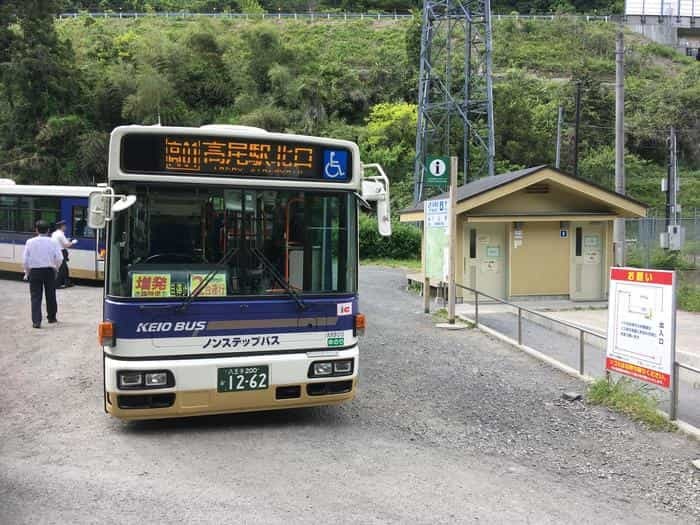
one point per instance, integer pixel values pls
(235, 157)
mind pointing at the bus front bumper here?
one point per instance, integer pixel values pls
(195, 391)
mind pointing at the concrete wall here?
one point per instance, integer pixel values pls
(662, 34)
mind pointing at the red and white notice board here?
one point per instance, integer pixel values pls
(642, 324)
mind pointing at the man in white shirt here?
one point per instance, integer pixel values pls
(59, 237)
(42, 258)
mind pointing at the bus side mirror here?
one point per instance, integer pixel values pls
(101, 208)
(376, 189)
(97, 210)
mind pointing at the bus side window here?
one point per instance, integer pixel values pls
(79, 223)
(8, 211)
(32, 208)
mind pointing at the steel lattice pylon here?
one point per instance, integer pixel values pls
(455, 93)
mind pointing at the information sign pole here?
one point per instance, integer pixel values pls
(451, 288)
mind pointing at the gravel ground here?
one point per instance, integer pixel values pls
(555, 342)
(448, 427)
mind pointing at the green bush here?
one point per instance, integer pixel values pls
(404, 243)
(633, 399)
(660, 259)
(689, 298)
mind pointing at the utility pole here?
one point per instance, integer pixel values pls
(560, 122)
(675, 207)
(670, 177)
(619, 224)
(674, 236)
(576, 126)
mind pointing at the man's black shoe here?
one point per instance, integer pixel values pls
(37, 325)
(54, 320)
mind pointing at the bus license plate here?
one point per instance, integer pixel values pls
(243, 378)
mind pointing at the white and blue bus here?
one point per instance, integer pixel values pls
(20, 208)
(231, 274)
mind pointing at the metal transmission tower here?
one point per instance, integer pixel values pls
(455, 93)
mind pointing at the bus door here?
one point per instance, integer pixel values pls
(86, 255)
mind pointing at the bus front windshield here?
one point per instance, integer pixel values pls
(230, 242)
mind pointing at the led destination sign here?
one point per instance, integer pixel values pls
(233, 157)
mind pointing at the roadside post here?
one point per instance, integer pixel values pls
(642, 328)
(452, 228)
(440, 234)
(426, 294)
(435, 229)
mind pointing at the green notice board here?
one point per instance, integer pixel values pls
(436, 239)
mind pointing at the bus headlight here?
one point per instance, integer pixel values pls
(144, 379)
(130, 379)
(156, 379)
(322, 369)
(340, 367)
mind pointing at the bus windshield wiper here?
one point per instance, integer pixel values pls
(277, 277)
(207, 279)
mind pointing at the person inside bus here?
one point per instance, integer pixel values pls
(41, 261)
(79, 227)
(59, 237)
(212, 227)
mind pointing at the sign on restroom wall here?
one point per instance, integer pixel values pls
(517, 238)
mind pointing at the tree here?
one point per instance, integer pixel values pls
(37, 80)
(390, 141)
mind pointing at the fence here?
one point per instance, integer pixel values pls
(554, 339)
(241, 16)
(643, 243)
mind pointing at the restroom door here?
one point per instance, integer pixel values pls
(587, 260)
(485, 258)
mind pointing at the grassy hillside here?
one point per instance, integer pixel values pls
(352, 80)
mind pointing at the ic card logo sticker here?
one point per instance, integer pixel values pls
(335, 164)
(344, 309)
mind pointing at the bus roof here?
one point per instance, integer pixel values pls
(48, 191)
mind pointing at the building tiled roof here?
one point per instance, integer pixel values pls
(479, 186)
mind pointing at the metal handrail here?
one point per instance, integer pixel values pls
(535, 312)
(688, 367)
(677, 365)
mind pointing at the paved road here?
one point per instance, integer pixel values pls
(687, 333)
(449, 427)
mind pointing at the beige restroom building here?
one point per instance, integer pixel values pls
(535, 232)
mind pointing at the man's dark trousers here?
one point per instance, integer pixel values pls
(62, 278)
(43, 279)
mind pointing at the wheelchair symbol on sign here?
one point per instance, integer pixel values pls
(333, 168)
